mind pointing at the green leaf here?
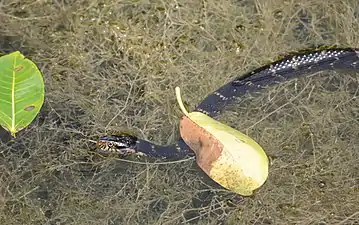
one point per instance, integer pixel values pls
(21, 92)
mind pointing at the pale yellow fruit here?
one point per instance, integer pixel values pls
(229, 157)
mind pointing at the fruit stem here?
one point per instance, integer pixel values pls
(180, 102)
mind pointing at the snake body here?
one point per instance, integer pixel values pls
(287, 68)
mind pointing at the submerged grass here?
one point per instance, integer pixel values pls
(113, 66)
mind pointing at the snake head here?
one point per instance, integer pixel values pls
(123, 143)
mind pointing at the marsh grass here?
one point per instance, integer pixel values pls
(112, 67)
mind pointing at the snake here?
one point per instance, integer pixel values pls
(300, 63)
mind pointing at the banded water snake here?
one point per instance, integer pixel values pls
(287, 68)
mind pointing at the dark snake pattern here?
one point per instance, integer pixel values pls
(287, 68)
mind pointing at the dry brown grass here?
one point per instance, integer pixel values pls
(113, 67)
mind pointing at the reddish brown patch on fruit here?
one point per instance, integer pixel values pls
(206, 147)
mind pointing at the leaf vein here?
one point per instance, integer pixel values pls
(2, 100)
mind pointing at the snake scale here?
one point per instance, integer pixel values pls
(289, 67)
